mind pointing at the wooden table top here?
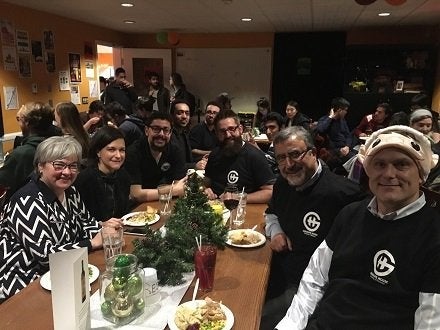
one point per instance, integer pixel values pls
(240, 282)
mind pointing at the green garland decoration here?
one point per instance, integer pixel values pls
(172, 254)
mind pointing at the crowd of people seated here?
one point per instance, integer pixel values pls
(86, 173)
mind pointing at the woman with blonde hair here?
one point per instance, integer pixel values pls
(68, 119)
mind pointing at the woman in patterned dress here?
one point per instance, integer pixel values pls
(45, 216)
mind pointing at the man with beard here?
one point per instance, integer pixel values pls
(122, 91)
(306, 198)
(237, 162)
(180, 112)
(202, 136)
(152, 160)
(157, 93)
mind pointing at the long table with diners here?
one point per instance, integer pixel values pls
(240, 282)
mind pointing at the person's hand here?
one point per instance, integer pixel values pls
(113, 222)
(96, 241)
(179, 186)
(280, 242)
(344, 151)
(362, 134)
(211, 195)
(201, 164)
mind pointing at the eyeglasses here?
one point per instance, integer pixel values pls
(230, 130)
(294, 156)
(61, 166)
(158, 129)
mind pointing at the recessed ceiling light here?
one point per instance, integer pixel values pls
(127, 4)
(246, 19)
(129, 21)
(384, 14)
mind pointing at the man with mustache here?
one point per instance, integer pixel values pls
(152, 160)
(237, 162)
(379, 266)
(202, 136)
(306, 198)
(180, 112)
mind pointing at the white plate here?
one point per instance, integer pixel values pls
(126, 220)
(194, 304)
(260, 242)
(45, 279)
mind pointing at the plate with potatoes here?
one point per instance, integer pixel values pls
(245, 238)
(141, 218)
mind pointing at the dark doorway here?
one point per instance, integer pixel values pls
(308, 68)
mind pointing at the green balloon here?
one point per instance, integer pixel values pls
(162, 38)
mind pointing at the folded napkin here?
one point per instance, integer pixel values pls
(155, 316)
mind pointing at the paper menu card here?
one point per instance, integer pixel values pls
(69, 274)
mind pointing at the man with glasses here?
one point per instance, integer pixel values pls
(237, 162)
(121, 91)
(306, 198)
(152, 160)
(202, 136)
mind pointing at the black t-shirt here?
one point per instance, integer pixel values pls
(202, 138)
(248, 169)
(144, 170)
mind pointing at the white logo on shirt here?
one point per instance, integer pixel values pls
(383, 263)
(232, 177)
(311, 222)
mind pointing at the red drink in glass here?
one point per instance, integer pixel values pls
(204, 263)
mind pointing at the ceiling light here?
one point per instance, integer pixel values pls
(127, 4)
(246, 19)
(129, 21)
(384, 14)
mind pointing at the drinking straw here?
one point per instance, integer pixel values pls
(199, 242)
(196, 288)
(170, 194)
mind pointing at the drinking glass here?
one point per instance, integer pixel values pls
(165, 193)
(204, 264)
(231, 199)
(112, 241)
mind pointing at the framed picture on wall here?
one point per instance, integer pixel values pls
(399, 85)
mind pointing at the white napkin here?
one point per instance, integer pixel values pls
(155, 317)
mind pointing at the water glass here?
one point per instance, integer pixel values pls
(165, 195)
(239, 215)
(112, 241)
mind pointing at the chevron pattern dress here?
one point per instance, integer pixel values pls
(35, 225)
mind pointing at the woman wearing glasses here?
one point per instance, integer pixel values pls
(45, 216)
(104, 185)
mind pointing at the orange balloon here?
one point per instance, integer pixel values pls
(173, 38)
(396, 2)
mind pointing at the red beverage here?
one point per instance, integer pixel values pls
(204, 263)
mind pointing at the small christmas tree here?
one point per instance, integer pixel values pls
(172, 254)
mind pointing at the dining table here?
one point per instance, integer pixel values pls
(240, 282)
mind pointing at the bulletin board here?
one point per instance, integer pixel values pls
(244, 73)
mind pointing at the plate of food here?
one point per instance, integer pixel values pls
(141, 218)
(245, 238)
(201, 314)
(46, 283)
